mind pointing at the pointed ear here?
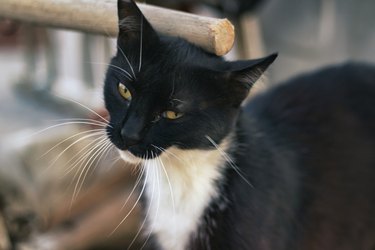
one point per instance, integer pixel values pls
(243, 74)
(133, 26)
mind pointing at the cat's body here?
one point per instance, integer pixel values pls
(307, 148)
(293, 169)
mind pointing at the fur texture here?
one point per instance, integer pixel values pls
(291, 170)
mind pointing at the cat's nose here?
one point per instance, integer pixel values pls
(130, 139)
(131, 132)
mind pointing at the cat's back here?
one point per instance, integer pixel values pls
(327, 120)
(338, 94)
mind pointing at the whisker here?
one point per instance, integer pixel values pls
(82, 158)
(133, 207)
(86, 168)
(60, 125)
(169, 182)
(112, 160)
(127, 74)
(110, 148)
(158, 205)
(139, 178)
(69, 138)
(127, 60)
(84, 106)
(88, 150)
(99, 123)
(103, 151)
(121, 73)
(141, 46)
(148, 209)
(169, 153)
(95, 157)
(173, 88)
(71, 145)
(170, 188)
(229, 160)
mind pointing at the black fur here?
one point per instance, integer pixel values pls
(210, 88)
(307, 147)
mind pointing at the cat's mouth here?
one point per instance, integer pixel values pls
(129, 157)
(134, 156)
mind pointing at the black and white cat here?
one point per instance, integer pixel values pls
(293, 169)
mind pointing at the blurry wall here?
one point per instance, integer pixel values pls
(309, 34)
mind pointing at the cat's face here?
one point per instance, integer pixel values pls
(162, 92)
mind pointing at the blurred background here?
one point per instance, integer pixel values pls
(51, 111)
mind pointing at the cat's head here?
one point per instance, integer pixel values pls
(163, 91)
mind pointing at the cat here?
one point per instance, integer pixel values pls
(292, 169)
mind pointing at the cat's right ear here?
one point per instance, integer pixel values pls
(133, 26)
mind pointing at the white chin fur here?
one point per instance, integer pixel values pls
(129, 157)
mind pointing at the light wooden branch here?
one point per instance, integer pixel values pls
(100, 16)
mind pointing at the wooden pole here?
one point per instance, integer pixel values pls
(100, 16)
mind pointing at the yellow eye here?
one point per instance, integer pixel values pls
(172, 115)
(124, 92)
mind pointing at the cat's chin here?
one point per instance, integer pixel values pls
(129, 157)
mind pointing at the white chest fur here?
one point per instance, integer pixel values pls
(179, 186)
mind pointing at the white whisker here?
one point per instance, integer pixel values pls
(98, 123)
(158, 202)
(127, 60)
(104, 151)
(229, 160)
(110, 148)
(127, 74)
(148, 209)
(95, 157)
(95, 151)
(133, 207)
(84, 106)
(71, 145)
(60, 125)
(80, 157)
(141, 46)
(83, 159)
(69, 138)
(170, 153)
(169, 183)
(112, 160)
(139, 178)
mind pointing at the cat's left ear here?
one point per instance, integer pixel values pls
(243, 74)
(134, 28)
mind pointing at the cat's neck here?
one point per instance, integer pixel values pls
(180, 185)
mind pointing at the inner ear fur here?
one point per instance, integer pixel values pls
(242, 75)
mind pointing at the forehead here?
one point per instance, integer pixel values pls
(174, 70)
(182, 81)
(159, 77)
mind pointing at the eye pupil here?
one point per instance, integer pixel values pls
(124, 92)
(172, 115)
